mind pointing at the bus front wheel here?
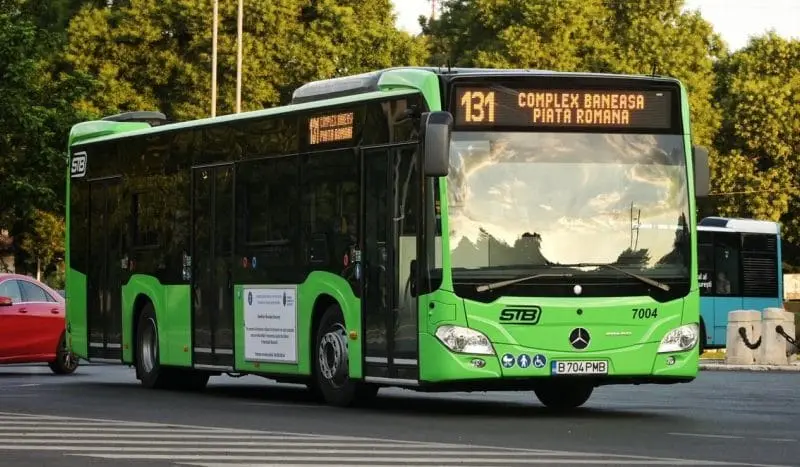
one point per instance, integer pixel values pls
(563, 395)
(331, 363)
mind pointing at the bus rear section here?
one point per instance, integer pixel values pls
(740, 268)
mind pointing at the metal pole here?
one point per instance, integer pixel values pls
(239, 58)
(214, 61)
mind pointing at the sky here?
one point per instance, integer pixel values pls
(734, 20)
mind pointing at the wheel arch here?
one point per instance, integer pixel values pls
(323, 290)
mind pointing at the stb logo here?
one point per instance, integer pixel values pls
(249, 298)
(78, 166)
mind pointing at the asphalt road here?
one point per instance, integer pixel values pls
(723, 418)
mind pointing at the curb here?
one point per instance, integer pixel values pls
(755, 368)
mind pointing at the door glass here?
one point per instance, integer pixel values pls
(97, 315)
(202, 301)
(376, 299)
(212, 260)
(726, 259)
(223, 244)
(406, 188)
(32, 292)
(11, 289)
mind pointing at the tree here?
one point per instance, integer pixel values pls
(35, 119)
(156, 54)
(44, 240)
(757, 173)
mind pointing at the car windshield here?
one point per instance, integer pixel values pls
(521, 202)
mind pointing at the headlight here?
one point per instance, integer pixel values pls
(680, 339)
(464, 340)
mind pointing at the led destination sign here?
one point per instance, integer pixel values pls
(330, 128)
(560, 108)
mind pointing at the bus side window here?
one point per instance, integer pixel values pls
(726, 265)
(705, 267)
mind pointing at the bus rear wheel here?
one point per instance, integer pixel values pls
(563, 395)
(331, 363)
(148, 362)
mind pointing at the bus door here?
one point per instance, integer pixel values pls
(103, 280)
(212, 260)
(390, 198)
(726, 281)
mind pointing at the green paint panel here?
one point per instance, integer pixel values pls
(316, 285)
(610, 321)
(88, 130)
(173, 314)
(629, 344)
(423, 81)
(77, 337)
(691, 312)
(176, 327)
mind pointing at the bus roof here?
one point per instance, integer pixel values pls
(735, 224)
(366, 82)
(320, 93)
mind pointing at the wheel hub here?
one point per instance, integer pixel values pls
(333, 356)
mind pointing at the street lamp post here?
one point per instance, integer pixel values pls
(214, 61)
(239, 58)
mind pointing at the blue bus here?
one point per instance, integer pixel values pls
(739, 268)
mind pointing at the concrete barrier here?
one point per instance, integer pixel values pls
(738, 349)
(774, 347)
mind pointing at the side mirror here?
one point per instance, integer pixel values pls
(436, 129)
(702, 172)
(6, 301)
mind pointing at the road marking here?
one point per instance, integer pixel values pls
(707, 435)
(720, 436)
(778, 440)
(393, 460)
(202, 446)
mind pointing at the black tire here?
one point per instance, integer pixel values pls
(66, 362)
(148, 368)
(564, 395)
(330, 364)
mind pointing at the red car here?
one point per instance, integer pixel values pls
(32, 324)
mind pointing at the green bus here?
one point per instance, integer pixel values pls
(434, 229)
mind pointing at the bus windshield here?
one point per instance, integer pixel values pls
(523, 201)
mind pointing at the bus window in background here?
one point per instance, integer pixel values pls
(739, 268)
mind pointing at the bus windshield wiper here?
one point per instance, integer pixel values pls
(497, 285)
(646, 280)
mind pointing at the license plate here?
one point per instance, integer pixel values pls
(580, 367)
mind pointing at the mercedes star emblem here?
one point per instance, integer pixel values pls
(579, 338)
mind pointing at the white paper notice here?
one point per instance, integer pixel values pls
(270, 322)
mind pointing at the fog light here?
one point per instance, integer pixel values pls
(670, 360)
(478, 363)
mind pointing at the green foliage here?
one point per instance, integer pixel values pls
(758, 171)
(36, 117)
(154, 54)
(43, 240)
